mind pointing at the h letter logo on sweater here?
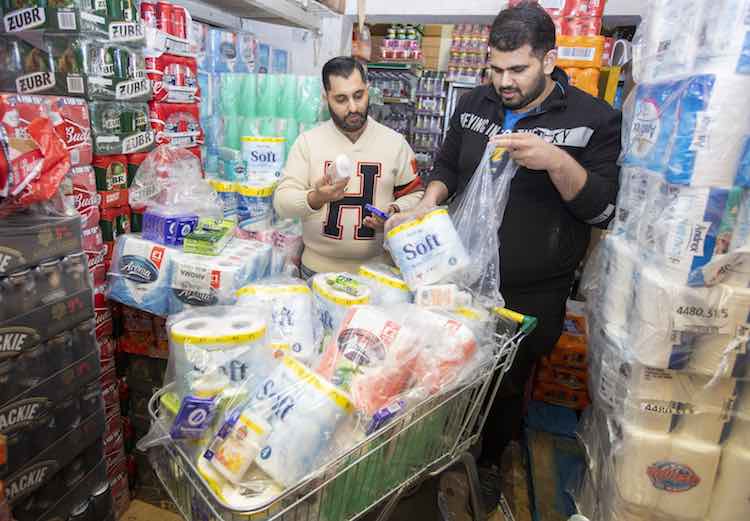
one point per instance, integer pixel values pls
(368, 174)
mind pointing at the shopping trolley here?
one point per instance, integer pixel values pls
(427, 440)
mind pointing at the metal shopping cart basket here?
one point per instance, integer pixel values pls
(429, 439)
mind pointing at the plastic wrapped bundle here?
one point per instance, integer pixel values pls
(334, 294)
(292, 315)
(387, 284)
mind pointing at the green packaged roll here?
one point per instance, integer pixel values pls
(249, 105)
(232, 132)
(209, 237)
(268, 95)
(287, 96)
(308, 99)
(231, 94)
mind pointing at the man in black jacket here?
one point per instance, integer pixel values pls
(566, 143)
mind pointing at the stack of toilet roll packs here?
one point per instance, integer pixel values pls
(668, 288)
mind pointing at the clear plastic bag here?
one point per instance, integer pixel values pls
(170, 180)
(484, 202)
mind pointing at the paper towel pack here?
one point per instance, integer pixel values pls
(670, 474)
(255, 254)
(638, 186)
(201, 280)
(140, 274)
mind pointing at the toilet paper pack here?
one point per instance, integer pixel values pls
(334, 294)
(140, 274)
(670, 474)
(427, 250)
(292, 320)
(255, 255)
(304, 411)
(387, 284)
(199, 280)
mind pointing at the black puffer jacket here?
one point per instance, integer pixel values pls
(543, 238)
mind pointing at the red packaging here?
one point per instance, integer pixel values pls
(609, 44)
(93, 246)
(120, 493)
(104, 325)
(114, 446)
(116, 464)
(593, 8)
(148, 13)
(81, 193)
(174, 78)
(106, 352)
(179, 25)
(196, 151)
(137, 342)
(583, 26)
(177, 124)
(37, 159)
(70, 116)
(113, 199)
(164, 17)
(560, 25)
(111, 172)
(110, 394)
(553, 7)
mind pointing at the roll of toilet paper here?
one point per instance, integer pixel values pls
(304, 411)
(672, 475)
(334, 294)
(717, 355)
(255, 206)
(388, 286)
(427, 250)
(255, 492)
(370, 356)
(200, 280)
(230, 342)
(724, 36)
(693, 224)
(638, 187)
(616, 282)
(140, 274)
(255, 255)
(292, 315)
(730, 501)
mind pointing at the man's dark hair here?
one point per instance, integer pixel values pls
(343, 67)
(526, 23)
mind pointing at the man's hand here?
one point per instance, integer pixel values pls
(419, 211)
(326, 191)
(375, 222)
(531, 151)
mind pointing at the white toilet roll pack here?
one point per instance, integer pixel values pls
(292, 315)
(428, 250)
(140, 274)
(387, 284)
(220, 342)
(255, 255)
(334, 294)
(304, 411)
(200, 280)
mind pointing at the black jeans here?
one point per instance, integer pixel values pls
(505, 420)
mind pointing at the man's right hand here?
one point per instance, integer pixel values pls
(326, 191)
(419, 211)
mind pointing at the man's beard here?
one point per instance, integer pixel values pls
(536, 91)
(349, 127)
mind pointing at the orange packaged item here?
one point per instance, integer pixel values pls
(569, 378)
(557, 395)
(579, 51)
(137, 342)
(572, 355)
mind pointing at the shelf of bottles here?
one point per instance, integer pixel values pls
(431, 96)
(468, 53)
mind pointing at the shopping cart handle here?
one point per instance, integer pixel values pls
(527, 323)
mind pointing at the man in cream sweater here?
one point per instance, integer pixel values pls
(338, 232)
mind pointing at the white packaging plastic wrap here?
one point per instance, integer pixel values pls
(388, 286)
(334, 294)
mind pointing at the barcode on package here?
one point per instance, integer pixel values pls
(66, 20)
(75, 85)
(576, 53)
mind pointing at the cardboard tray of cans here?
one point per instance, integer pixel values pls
(121, 127)
(116, 20)
(47, 464)
(25, 239)
(85, 488)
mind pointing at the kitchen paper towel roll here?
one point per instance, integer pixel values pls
(140, 274)
(226, 342)
(617, 280)
(292, 315)
(304, 411)
(672, 475)
(387, 284)
(255, 206)
(256, 257)
(717, 355)
(638, 186)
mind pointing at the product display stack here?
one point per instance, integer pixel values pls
(579, 45)
(468, 53)
(668, 437)
(561, 377)
(430, 113)
(51, 414)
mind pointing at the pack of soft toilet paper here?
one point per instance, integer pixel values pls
(334, 294)
(427, 250)
(292, 314)
(140, 274)
(387, 284)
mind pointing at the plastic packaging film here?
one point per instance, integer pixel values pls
(667, 288)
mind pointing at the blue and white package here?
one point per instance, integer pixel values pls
(165, 228)
(304, 411)
(222, 50)
(256, 257)
(247, 47)
(428, 250)
(200, 280)
(140, 274)
(227, 192)
(255, 206)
